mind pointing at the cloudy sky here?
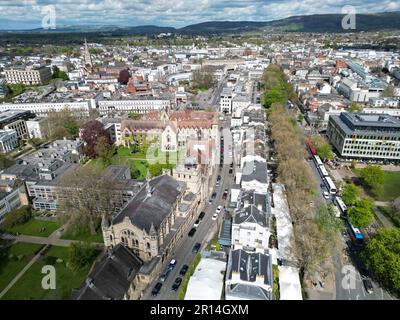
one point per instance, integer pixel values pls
(23, 14)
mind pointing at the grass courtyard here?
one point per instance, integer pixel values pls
(391, 187)
(35, 227)
(84, 237)
(13, 259)
(29, 287)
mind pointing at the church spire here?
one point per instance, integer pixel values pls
(88, 58)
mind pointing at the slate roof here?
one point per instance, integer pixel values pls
(146, 210)
(255, 170)
(250, 214)
(110, 278)
(249, 266)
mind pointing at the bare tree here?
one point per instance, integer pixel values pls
(86, 195)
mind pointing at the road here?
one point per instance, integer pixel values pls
(205, 232)
(348, 280)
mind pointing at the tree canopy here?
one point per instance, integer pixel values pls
(373, 178)
(382, 257)
(361, 215)
(351, 194)
(91, 132)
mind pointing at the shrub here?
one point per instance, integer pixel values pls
(50, 260)
(16, 217)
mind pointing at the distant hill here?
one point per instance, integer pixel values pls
(308, 23)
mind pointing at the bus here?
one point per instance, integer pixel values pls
(331, 186)
(340, 204)
(356, 236)
(318, 161)
(323, 171)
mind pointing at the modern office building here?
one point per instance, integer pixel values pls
(30, 75)
(8, 140)
(364, 135)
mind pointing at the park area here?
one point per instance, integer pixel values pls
(13, 259)
(391, 186)
(29, 286)
(34, 227)
(140, 163)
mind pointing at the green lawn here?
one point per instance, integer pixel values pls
(85, 237)
(120, 160)
(10, 266)
(29, 286)
(391, 188)
(35, 227)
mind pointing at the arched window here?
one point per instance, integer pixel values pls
(111, 237)
(123, 239)
(148, 245)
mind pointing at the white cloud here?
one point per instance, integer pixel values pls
(176, 13)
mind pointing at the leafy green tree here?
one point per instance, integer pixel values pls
(80, 255)
(372, 176)
(388, 92)
(324, 149)
(5, 161)
(17, 217)
(72, 127)
(104, 149)
(133, 115)
(355, 107)
(155, 169)
(58, 74)
(351, 194)
(382, 257)
(361, 215)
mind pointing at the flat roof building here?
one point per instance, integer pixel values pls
(365, 135)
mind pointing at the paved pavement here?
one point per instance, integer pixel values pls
(53, 239)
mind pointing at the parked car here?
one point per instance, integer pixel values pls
(164, 276)
(230, 171)
(196, 247)
(326, 194)
(225, 195)
(177, 284)
(215, 216)
(156, 289)
(368, 285)
(192, 232)
(184, 269)
(201, 215)
(218, 210)
(219, 178)
(172, 264)
(196, 223)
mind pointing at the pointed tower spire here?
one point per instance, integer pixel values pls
(88, 58)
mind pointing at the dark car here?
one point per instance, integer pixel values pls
(192, 232)
(368, 285)
(214, 195)
(164, 276)
(177, 284)
(156, 289)
(184, 269)
(230, 171)
(201, 215)
(196, 247)
(219, 178)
